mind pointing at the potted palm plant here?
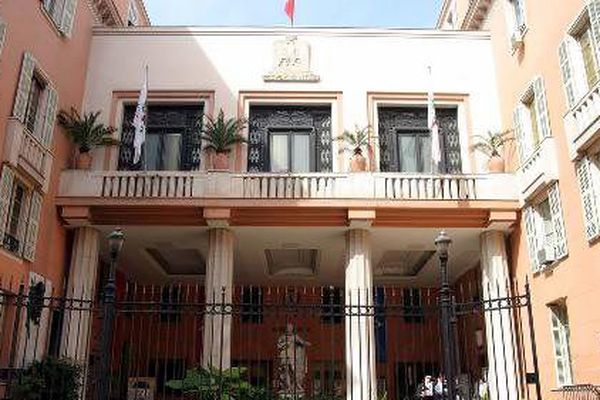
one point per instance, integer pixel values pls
(86, 133)
(491, 144)
(357, 140)
(220, 135)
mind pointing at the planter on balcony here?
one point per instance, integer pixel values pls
(83, 160)
(358, 162)
(496, 165)
(221, 161)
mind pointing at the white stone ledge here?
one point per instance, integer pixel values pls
(212, 185)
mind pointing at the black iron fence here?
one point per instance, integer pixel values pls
(255, 343)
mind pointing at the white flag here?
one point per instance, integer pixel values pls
(139, 121)
(432, 124)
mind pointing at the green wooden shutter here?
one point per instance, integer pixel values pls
(558, 222)
(588, 198)
(541, 105)
(68, 17)
(49, 116)
(593, 7)
(566, 68)
(20, 104)
(531, 232)
(6, 185)
(520, 133)
(33, 225)
(2, 33)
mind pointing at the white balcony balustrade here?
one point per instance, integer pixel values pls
(198, 185)
(583, 123)
(539, 170)
(24, 151)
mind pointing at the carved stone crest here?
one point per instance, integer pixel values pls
(291, 62)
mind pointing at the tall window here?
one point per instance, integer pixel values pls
(132, 14)
(547, 226)
(252, 305)
(33, 103)
(290, 151)
(531, 119)
(62, 13)
(15, 218)
(588, 53)
(412, 306)
(588, 174)
(162, 151)
(579, 54)
(405, 143)
(332, 310)
(414, 150)
(173, 140)
(561, 338)
(519, 14)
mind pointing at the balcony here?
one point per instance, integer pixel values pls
(539, 170)
(25, 152)
(583, 123)
(117, 185)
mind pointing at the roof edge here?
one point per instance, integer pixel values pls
(306, 31)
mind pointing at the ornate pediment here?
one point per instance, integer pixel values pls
(291, 62)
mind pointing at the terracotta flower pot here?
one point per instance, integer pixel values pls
(84, 161)
(358, 163)
(221, 161)
(496, 165)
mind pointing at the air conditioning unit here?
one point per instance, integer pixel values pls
(546, 255)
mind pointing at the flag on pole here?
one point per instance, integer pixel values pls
(290, 9)
(432, 124)
(139, 120)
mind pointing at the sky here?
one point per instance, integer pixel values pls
(354, 13)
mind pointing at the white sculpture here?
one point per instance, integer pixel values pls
(292, 363)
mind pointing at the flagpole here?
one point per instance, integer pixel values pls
(145, 161)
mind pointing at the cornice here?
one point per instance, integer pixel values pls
(281, 31)
(476, 14)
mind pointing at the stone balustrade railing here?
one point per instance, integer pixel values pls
(583, 122)
(23, 150)
(197, 185)
(33, 152)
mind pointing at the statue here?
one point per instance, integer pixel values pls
(292, 363)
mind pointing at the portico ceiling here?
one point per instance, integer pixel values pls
(251, 267)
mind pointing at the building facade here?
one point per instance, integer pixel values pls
(286, 246)
(534, 46)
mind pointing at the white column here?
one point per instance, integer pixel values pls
(218, 288)
(361, 383)
(81, 288)
(502, 380)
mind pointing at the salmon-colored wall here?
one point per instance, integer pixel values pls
(64, 61)
(576, 277)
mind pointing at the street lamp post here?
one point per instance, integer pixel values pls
(442, 243)
(115, 244)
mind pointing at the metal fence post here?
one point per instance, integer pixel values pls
(447, 316)
(103, 387)
(533, 343)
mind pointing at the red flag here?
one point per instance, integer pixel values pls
(290, 7)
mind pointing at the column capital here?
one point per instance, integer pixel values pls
(217, 217)
(501, 220)
(76, 217)
(361, 219)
